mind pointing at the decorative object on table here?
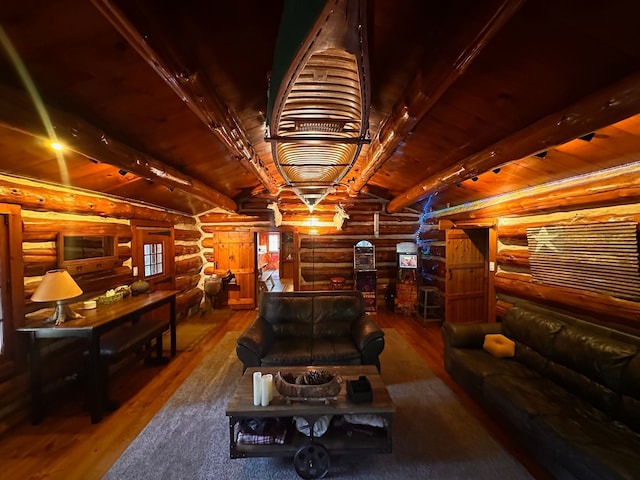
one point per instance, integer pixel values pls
(314, 385)
(138, 287)
(266, 393)
(109, 297)
(58, 286)
(262, 389)
(257, 388)
(212, 287)
(89, 304)
(359, 391)
(125, 290)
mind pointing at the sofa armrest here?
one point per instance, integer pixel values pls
(365, 331)
(254, 342)
(467, 335)
(369, 338)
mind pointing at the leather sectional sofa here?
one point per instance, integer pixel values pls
(311, 328)
(571, 392)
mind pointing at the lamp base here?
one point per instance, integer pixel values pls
(62, 313)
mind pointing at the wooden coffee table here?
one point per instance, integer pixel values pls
(312, 455)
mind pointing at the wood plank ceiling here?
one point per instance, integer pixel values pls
(165, 102)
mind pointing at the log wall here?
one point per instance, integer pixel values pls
(541, 207)
(46, 211)
(328, 252)
(322, 251)
(513, 278)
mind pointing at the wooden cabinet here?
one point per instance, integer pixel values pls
(366, 283)
(406, 291)
(287, 256)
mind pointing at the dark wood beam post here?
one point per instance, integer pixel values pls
(600, 109)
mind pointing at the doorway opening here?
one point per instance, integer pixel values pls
(275, 262)
(268, 245)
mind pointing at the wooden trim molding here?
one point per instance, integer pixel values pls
(13, 214)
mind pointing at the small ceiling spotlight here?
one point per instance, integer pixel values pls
(474, 179)
(57, 146)
(458, 185)
(588, 137)
(541, 154)
(496, 170)
(122, 172)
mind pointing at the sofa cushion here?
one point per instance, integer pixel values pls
(598, 395)
(600, 358)
(629, 412)
(629, 409)
(334, 313)
(289, 316)
(530, 357)
(334, 351)
(531, 328)
(590, 365)
(582, 440)
(471, 366)
(288, 351)
(522, 398)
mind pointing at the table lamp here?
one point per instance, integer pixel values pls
(58, 286)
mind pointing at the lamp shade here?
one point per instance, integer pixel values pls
(56, 285)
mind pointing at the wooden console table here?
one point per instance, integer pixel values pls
(94, 324)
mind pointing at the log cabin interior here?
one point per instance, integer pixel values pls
(502, 138)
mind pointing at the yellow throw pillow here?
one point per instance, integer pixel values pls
(498, 345)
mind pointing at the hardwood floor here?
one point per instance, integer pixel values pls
(67, 446)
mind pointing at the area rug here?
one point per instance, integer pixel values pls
(192, 330)
(433, 436)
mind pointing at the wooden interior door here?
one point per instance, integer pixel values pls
(235, 251)
(466, 283)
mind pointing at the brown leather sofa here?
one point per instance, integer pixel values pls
(571, 392)
(311, 328)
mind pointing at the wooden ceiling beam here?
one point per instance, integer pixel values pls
(190, 87)
(598, 110)
(430, 84)
(613, 186)
(18, 113)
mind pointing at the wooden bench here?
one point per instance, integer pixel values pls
(127, 340)
(265, 280)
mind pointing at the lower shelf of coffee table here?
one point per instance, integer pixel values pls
(336, 440)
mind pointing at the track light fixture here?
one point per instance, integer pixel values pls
(541, 154)
(588, 137)
(496, 170)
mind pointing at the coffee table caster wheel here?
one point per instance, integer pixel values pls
(312, 461)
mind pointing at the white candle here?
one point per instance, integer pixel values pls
(271, 388)
(267, 387)
(257, 388)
